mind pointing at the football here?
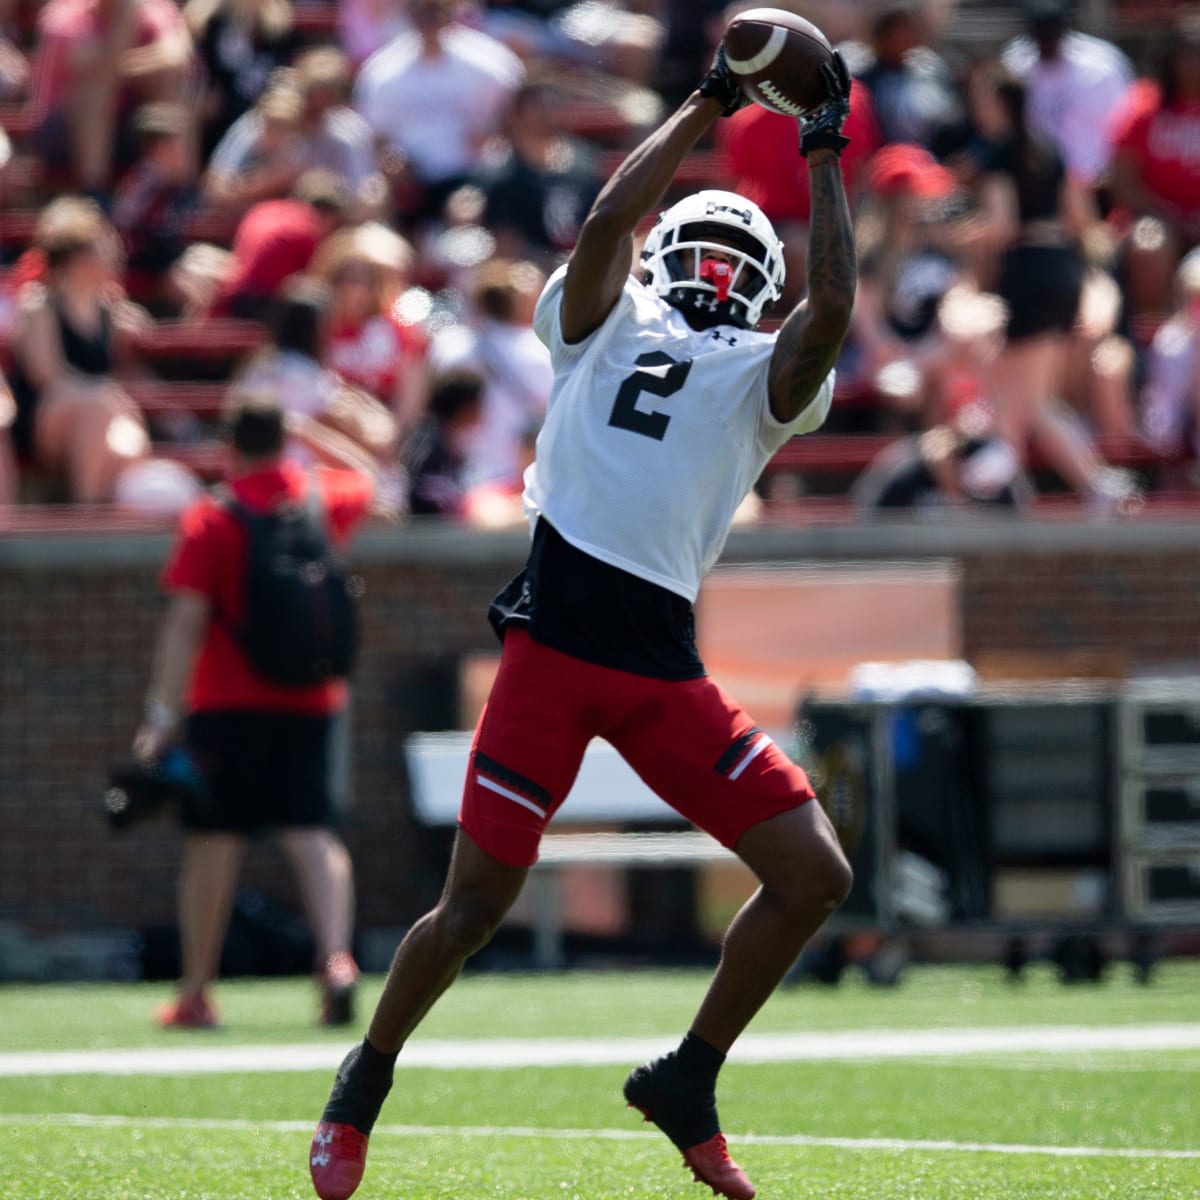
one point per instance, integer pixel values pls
(777, 57)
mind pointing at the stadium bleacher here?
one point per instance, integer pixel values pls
(190, 362)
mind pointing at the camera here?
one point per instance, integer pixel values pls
(139, 789)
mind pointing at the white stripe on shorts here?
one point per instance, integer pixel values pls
(755, 750)
(492, 786)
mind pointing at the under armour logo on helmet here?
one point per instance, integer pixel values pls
(743, 214)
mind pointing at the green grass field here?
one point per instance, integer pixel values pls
(1010, 1123)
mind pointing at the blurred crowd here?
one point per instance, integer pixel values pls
(382, 187)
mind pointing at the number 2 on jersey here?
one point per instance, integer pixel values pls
(648, 422)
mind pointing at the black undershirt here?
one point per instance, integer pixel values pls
(581, 606)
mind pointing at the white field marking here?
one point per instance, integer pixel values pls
(764, 58)
(89, 1120)
(500, 1053)
(1164, 1062)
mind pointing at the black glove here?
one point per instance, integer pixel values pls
(821, 130)
(721, 84)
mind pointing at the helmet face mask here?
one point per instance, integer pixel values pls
(715, 226)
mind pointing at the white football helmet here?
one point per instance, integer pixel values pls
(726, 223)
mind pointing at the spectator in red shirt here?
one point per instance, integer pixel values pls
(368, 343)
(95, 61)
(276, 240)
(262, 748)
(757, 158)
(328, 421)
(1156, 167)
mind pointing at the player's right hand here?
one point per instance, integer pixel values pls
(721, 84)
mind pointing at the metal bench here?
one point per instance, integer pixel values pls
(607, 791)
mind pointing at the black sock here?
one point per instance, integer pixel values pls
(677, 1092)
(698, 1058)
(374, 1063)
(360, 1087)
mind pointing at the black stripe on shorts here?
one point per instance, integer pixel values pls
(498, 773)
(735, 750)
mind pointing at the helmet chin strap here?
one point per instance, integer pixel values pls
(719, 274)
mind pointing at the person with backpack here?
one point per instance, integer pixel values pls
(249, 678)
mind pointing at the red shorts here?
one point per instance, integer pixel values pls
(687, 739)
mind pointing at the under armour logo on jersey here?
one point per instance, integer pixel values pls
(718, 336)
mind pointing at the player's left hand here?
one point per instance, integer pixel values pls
(821, 130)
(721, 85)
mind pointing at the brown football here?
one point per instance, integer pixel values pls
(777, 57)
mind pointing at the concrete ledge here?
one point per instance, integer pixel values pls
(437, 544)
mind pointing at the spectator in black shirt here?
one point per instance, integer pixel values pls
(437, 454)
(157, 194)
(542, 183)
(241, 43)
(73, 418)
(915, 97)
(1034, 216)
(940, 470)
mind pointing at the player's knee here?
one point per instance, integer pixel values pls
(837, 878)
(824, 880)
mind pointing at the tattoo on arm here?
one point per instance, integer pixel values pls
(811, 337)
(831, 269)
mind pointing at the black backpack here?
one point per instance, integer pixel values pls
(301, 622)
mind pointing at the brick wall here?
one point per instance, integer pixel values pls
(79, 616)
(1125, 607)
(75, 650)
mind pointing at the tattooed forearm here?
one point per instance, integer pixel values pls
(812, 335)
(831, 270)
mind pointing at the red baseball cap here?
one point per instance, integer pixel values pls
(903, 168)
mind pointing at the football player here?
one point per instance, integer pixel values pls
(666, 406)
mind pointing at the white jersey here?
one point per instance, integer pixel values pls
(654, 434)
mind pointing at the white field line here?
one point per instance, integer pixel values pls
(88, 1120)
(502, 1053)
